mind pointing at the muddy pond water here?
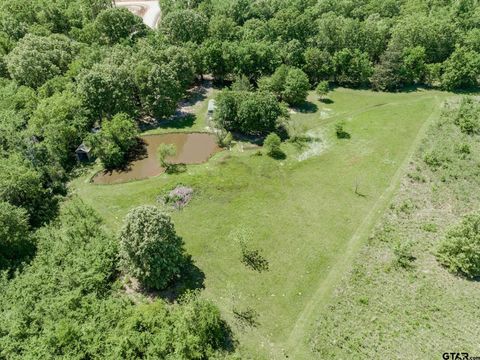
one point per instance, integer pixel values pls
(192, 148)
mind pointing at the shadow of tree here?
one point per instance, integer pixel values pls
(326, 101)
(307, 107)
(278, 155)
(190, 278)
(180, 121)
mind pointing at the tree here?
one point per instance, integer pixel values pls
(60, 123)
(37, 59)
(272, 144)
(290, 84)
(461, 70)
(165, 151)
(22, 186)
(318, 65)
(107, 89)
(459, 251)
(322, 89)
(253, 113)
(113, 25)
(150, 249)
(185, 25)
(296, 87)
(352, 68)
(115, 141)
(159, 89)
(14, 234)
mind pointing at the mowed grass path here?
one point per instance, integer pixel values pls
(302, 214)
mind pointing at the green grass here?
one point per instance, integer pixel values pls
(382, 310)
(304, 215)
(196, 122)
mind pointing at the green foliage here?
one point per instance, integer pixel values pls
(22, 186)
(459, 251)
(224, 138)
(461, 70)
(159, 89)
(165, 151)
(340, 130)
(114, 143)
(289, 84)
(151, 251)
(322, 89)
(185, 25)
(61, 122)
(107, 89)
(248, 112)
(403, 254)
(37, 59)
(352, 68)
(272, 144)
(115, 25)
(242, 83)
(468, 116)
(15, 239)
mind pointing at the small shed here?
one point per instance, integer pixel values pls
(211, 108)
(83, 153)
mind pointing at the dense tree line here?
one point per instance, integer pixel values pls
(66, 303)
(383, 44)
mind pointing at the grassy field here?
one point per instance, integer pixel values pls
(383, 310)
(304, 217)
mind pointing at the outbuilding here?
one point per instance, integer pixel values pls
(83, 153)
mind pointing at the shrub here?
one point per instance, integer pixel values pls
(459, 251)
(340, 130)
(163, 152)
(468, 117)
(403, 254)
(150, 249)
(322, 89)
(272, 144)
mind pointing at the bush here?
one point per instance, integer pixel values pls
(272, 144)
(460, 249)
(340, 130)
(253, 113)
(322, 89)
(163, 152)
(468, 117)
(150, 249)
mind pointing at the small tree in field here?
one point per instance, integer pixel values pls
(322, 89)
(163, 152)
(272, 145)
(150, 249)
(460, 249)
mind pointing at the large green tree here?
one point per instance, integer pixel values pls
(151, 251)
(37, 59)
(114, 143)
(107, 89)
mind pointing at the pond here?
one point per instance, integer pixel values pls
(192, 148)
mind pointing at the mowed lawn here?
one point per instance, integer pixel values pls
(302, 215)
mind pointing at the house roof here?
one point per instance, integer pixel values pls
(83, 148)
